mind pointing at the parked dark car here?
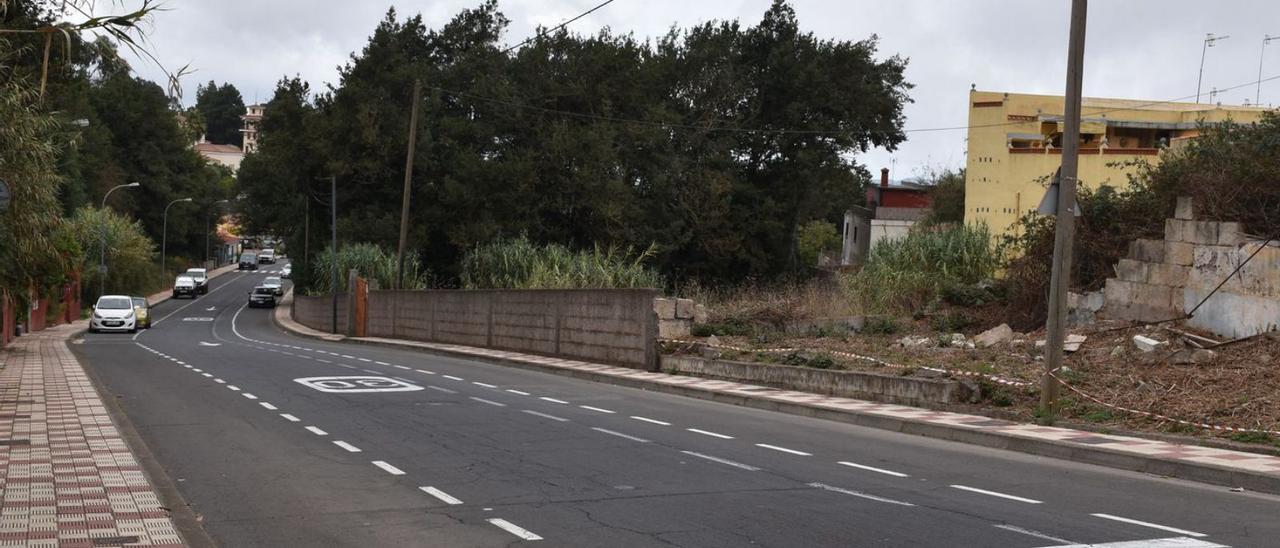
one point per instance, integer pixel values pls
(248, 261)
(262, 296)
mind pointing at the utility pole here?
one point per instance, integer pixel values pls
(1065, 232)
(306, 228)
(1209, 40)
(1266, 39)
(408, 181)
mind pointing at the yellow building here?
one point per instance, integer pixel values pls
(1015, 145)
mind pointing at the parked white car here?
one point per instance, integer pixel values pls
(113, 313)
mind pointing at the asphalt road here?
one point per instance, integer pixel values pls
(421, 450)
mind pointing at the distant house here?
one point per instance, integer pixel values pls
(227, 155)
(251, 118)
(892, 209)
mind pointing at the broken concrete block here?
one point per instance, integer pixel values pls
(666, 308)
(1230, 234)
(684, 309)
(673, 329)
(999, 334)
(1130, 270)
(912, 342)
(1184, 210)
(1071, 344)
(1146, 344)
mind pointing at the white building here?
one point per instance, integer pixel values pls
(252, 116)
(227, 155)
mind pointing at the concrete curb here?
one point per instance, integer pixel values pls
(1199, 472)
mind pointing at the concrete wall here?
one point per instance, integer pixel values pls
(887, 229)
(849, 384)
(601, 325)
(317, 312)
(1164, 279)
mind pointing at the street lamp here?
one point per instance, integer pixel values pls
(164, 233)
(1266, 39)
(207, 215)
(102, 259)
(1209, 40)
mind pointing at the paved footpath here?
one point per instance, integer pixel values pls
(1252, 471)
(66, 475)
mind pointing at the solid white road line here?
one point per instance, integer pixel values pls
(995, 494)
(249, 396)
(443, 496)
(596, 409)
(267, 405)
(858, 494)
(517, 392)
(484, 384)
(1173, 542)
(452, 378)
(513, 529)
(290, 418)
(445, 390)
(1151, 525)
(619, 434)
(747, 467)
(651, 421)
(874, 469)
(544, 415)
(346, 446)
(389, 468)
(553, 400)
(707, 433)
(317, 431)
(490, 402)
(1029, 532)
(424, 371)
(784, 450)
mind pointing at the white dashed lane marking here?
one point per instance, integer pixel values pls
(289, 417)
(784, 450)
(596, 409)
(490, 402)
(233, 388)
(443, 496)
(619, 434)
(389, 468)
(317, 431)
(874, 469)
(544, 415)
(439, 389)
(1148, 524)
(995, 494)
(249, 396)
(858, 494)
(651, 421)
(734, 464)
(219, 381)
(484, 384)
(425, 372)
(517, 392)
(347, 446)
(553, 400)
(267, 406)
(709, 433)
(452, 378)
(514, 529)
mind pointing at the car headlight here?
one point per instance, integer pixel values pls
(96, 316)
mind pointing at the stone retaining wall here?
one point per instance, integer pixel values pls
(317, 312)
(849, 384)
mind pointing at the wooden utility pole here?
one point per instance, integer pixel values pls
(1065, 234)
(408, 182)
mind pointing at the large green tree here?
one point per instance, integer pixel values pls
(220, 108)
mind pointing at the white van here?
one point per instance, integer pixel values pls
(267, 256)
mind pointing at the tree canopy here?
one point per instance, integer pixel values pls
(714, 143)
(220, 108)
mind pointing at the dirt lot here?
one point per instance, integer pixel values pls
(1239, 387)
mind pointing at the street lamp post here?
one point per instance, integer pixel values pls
(1209, 40)
(208, 214)
(1266, 39)
(164, 232)
(102, 259)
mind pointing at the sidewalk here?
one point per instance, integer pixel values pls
(67, 477)
(1254, 472)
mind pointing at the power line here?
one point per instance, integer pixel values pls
(729, 129)
(558, 27)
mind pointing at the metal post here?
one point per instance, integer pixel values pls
(1266, 39)
(207, 215)
(333, 220)
(164, 233)
(102, 239)
(1209, 39)
(1065, 233)
(408, 180)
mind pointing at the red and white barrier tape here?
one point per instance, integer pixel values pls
(877, 361)
(1158, 416)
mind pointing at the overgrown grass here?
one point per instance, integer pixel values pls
(372, 262)
(904, 275)
(520, 264)
(745, 309)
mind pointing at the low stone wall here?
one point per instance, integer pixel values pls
(677, 316)
(600, 325)
(848, 384)
(1166, 279)
(317, 312)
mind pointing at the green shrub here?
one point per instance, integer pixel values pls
(905, 274)
(951, 322)
(879, 325)
(805, 359)
(815, 238)
(728, 329)
(372, 262)
(129, 252)
(520, 264)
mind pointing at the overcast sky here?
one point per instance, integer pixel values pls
(1144, 49)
